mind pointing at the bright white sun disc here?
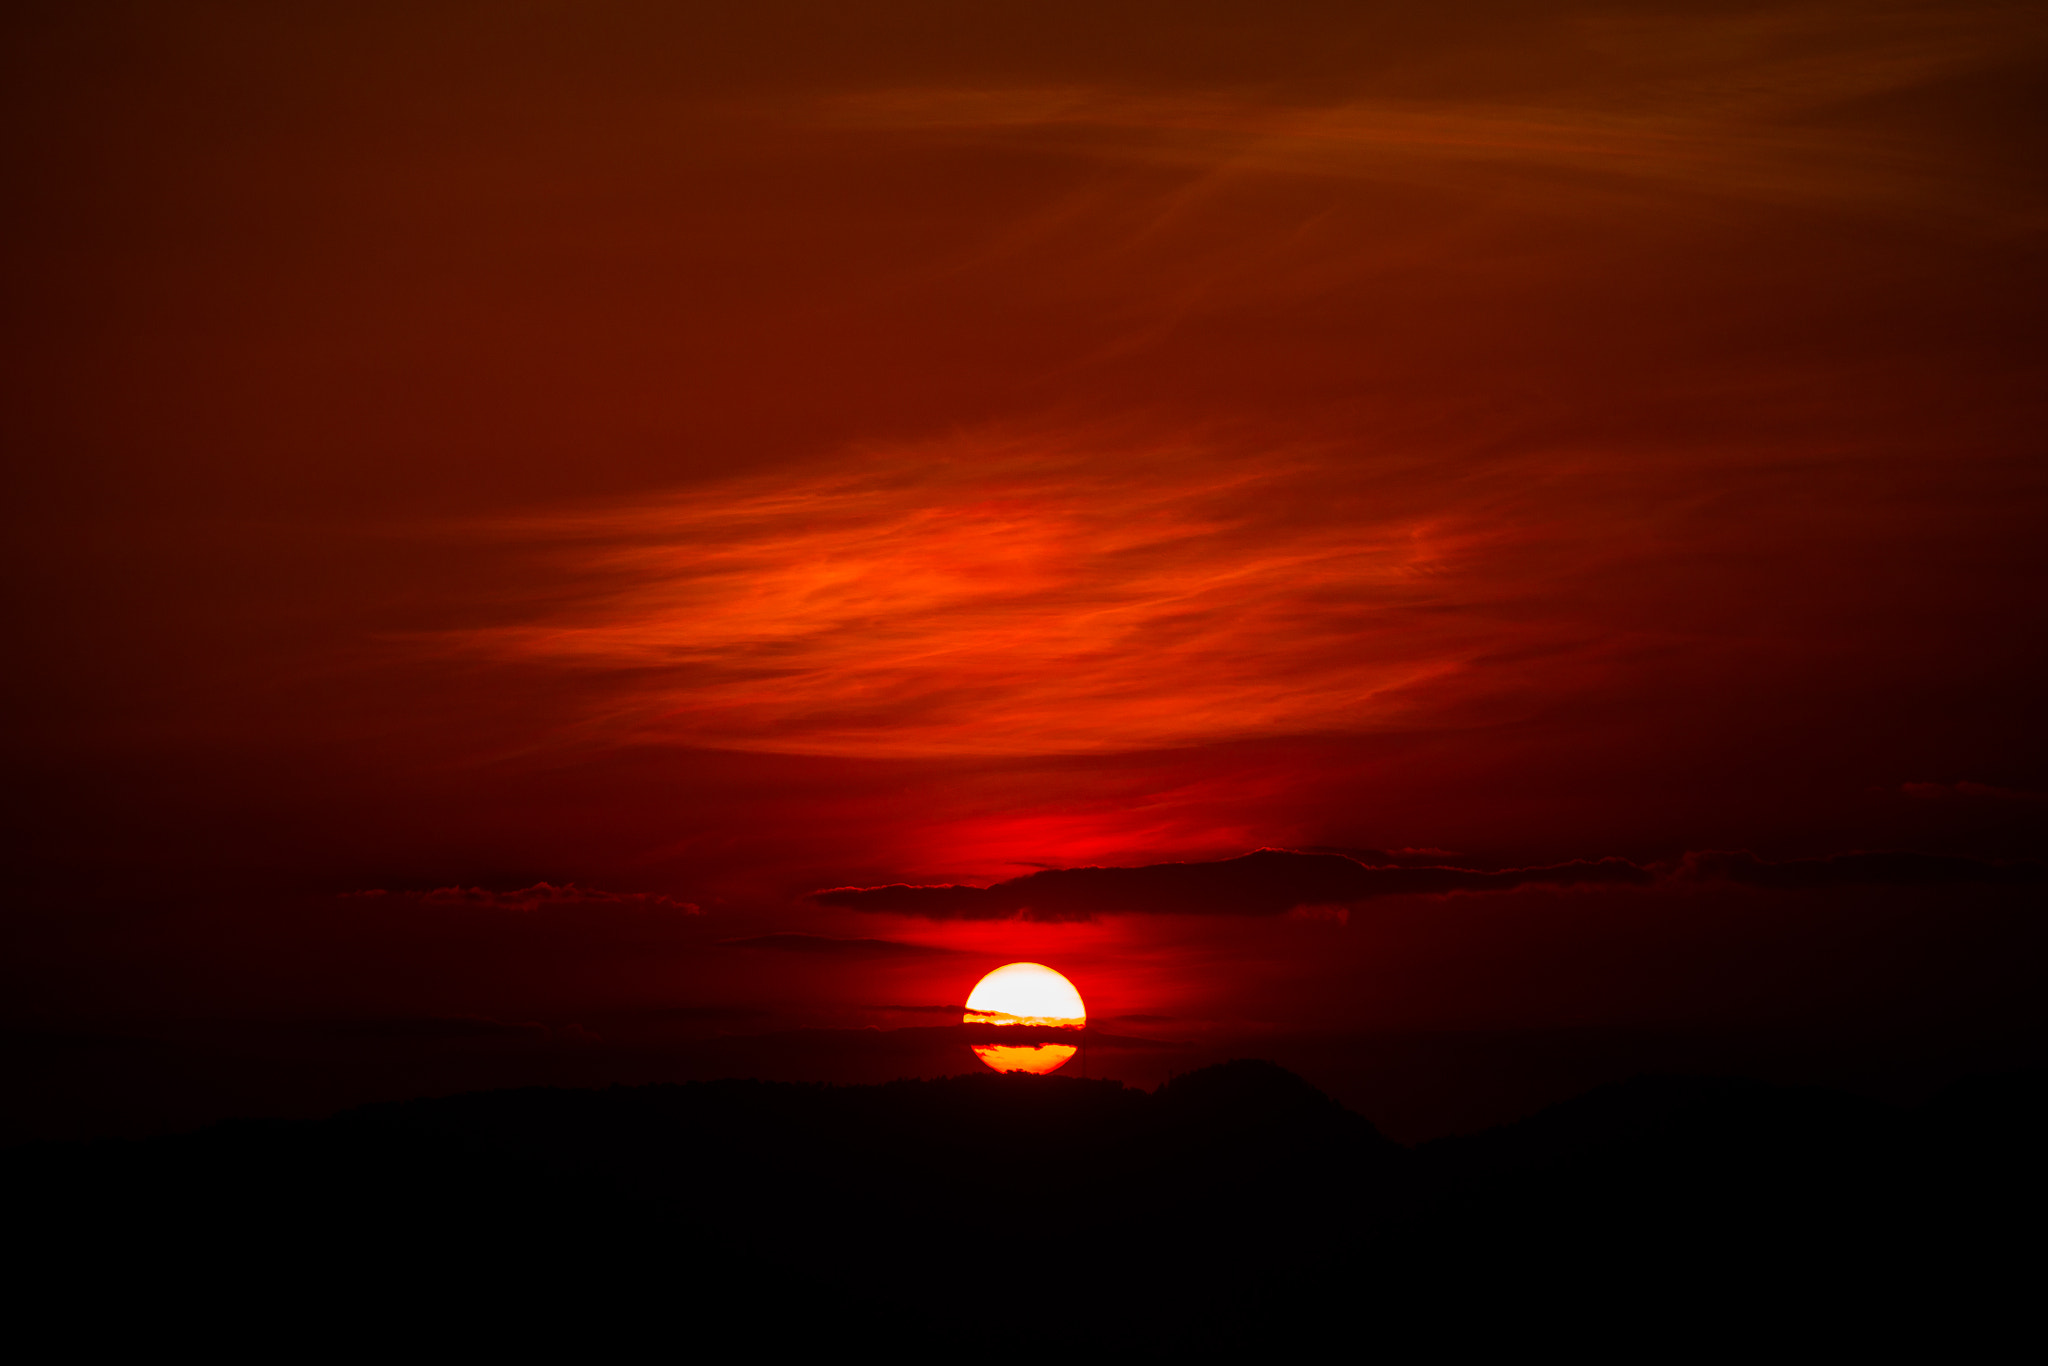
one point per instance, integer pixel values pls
(1026, 994)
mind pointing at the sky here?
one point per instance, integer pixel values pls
(509, 503)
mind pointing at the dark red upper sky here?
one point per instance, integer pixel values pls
(709, 454)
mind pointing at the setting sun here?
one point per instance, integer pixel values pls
(1028, 996)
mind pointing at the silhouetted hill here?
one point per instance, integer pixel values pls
(1236, 1201)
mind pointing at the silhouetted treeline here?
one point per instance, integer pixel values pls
(1235, 1204)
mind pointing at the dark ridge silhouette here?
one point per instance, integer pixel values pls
(1236, 1204)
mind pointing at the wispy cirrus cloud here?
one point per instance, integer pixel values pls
(1002, 593)
(1320, 408)
(1741, 105)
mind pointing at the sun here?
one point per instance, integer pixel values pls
(1031, 998)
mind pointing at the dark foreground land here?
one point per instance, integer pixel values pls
(1235, 1204)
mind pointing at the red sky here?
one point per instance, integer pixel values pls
(710, 454)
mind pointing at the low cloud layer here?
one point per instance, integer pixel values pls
(1267, 882)
(1950, 791)
(541, 894)
(791, 942)
(1854, 870)
(1272, 882)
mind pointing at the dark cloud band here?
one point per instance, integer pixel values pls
(539, 896)
(1274, 881)
(1854, 870)
(1268, 882)
(791, 942)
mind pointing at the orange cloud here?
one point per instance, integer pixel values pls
(1740, 105)
(1012, 595)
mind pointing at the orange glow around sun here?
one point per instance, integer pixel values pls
(1029, 995)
